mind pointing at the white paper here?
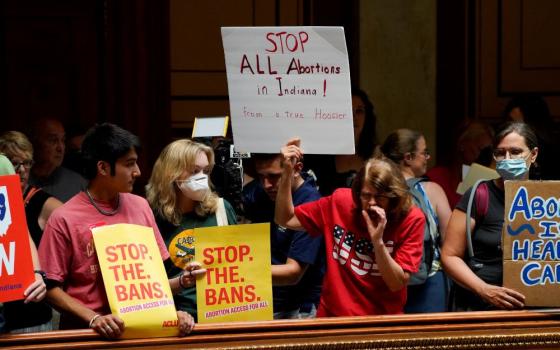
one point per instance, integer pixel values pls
(210, 126)
(476, 172)
(287, 82)
(465, 171)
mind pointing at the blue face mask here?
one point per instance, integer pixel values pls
(512, 169)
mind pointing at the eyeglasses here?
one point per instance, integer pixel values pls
(425, 153)
(514, 153)
(367, 196)
(27, 164)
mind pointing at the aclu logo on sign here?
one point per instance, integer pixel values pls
(5, 215)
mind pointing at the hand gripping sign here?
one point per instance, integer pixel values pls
(135, 280)
(238, 284)
(531, 240)
(16, 264)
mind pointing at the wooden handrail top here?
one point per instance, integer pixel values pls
(368, 323)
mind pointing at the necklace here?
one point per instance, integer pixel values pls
(102, 211)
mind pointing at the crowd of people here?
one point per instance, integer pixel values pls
(367, 234)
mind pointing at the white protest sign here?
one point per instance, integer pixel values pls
(210, 126)
(285, 82)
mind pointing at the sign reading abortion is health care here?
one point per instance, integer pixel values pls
(285, 82)
(531, 240)
(135, 280)
(16, 264)
(237, 285)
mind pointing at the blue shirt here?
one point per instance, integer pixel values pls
(285, 243)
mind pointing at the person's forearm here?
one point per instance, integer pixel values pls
(288, 274)
(391, 272)
(175, 285)
(284, 208)
(65, 303)
(456, 268)
(283, 276)
(187, 278)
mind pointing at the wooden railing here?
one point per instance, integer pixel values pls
(473, 330)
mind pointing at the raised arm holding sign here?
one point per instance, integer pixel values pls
(298, 260)
(368, 260)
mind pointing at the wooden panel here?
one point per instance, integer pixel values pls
(452, 81)
(49, 62)
(196, 43)
(264, 13)
(291, 13)
(516, 51)
(87, 61)
(530, 50)
(183, 112)
(474, 330)
(198, 84)
(489, 105)
(198, 77)
(538, 22)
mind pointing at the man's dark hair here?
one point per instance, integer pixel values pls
(264, 157)
(250, 164)
(106, 142)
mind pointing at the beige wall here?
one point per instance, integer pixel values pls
(398, 64)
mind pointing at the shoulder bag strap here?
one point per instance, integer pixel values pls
(468, 219)
(221, 216)
(30, 195)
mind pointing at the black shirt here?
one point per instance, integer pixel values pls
(17, 314)
(486, 241)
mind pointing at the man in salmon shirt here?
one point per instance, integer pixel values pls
(67, 251)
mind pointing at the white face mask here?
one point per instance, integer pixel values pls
(195, 187)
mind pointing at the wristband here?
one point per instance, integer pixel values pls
(95, 317)
(181, 282)
(42, 274)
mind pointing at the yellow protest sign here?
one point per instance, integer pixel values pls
(135, 280)
(238, 283)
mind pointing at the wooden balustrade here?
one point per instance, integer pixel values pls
(473, 330)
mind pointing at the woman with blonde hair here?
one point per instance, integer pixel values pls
(180, 195)
(373, 237)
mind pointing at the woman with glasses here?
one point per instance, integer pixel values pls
(480, 287)
(38, 207)
(373, 237)
(407, 148)
(180, 196)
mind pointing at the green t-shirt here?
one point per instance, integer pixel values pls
(180, 244)
(6, 167)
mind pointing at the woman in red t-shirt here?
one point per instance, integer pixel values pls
(373, 237)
